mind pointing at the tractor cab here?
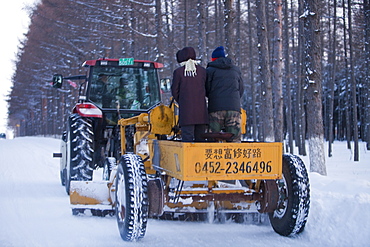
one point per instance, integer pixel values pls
(127, 84)
(119, 86)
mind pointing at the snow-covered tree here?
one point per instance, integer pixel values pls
(313, 89)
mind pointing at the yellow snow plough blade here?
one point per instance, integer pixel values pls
(90, 195)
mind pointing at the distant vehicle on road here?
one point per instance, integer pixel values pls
(2, 136)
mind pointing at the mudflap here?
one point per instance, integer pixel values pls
(156, 197)
(270, 197)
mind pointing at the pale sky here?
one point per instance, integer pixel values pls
(14, 23)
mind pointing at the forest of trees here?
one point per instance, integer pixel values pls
(305, 63)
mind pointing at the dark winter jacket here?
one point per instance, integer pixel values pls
(189, 91)
(224, 86)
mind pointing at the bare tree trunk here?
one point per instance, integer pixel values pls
(315, 130)
(185, 23)
(132, 49)
(44, 113)
(277, 69)
(300, 113)
(332, 82)
(353, 85)
(202, 32)
(238, 50)
(229, 28)
(347, 95)
(251, 78)
(159, 37)
(218, 23)
(207, 37)
(287, 78)
(265, 72)
(367, 72)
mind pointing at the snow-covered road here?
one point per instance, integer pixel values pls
(35, 211)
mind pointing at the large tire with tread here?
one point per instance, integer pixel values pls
(132, 203)
(294, 198)
(80, 138)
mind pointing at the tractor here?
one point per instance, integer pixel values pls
(122, 154)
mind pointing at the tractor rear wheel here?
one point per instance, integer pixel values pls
(80, 137)
(294, 198)
(131, 198)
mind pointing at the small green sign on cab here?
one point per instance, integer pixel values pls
(126, 61)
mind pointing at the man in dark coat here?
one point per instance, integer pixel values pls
(188, 89)
(224, 89)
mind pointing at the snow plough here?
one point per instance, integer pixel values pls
(122, 154)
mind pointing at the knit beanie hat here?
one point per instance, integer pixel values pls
(218, 52)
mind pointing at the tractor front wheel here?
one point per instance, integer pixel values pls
(294, 198)
(131, 198)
